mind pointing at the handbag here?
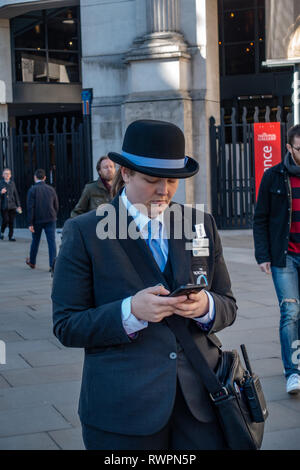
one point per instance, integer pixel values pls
(235, 391)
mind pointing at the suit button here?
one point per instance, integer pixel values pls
(172, 355)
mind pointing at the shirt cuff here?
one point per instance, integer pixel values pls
(131, 324)
(210, 316)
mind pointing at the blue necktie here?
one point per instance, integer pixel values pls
(154, 245)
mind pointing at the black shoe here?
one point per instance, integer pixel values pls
(2, 236)
(12, 239)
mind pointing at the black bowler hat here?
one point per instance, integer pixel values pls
(155, 148)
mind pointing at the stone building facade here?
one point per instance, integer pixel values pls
(153, 59)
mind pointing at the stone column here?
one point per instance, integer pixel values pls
(159, 74)
(162, 16)
(5, 69)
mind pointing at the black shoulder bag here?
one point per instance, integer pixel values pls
(236, 392)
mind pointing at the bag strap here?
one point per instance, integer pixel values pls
(197, 359)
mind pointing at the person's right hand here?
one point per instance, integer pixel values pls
(31, 228)
(152, 305)
(3, 190)
(265, 267)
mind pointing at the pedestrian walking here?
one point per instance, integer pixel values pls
(99, 191)
(42, 208)
(276, 231)
(10, 204)
(110, 297)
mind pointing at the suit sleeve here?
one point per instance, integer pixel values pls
(76, 321)
(55, 202)
(17, 199)
(225, 304)
(30, 206)
(82, 205)
(261, 221)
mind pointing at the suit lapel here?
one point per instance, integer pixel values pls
(180, 258)
(139, 253)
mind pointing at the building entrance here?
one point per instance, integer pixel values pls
(61, 146)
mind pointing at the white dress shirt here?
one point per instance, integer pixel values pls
(132, 324)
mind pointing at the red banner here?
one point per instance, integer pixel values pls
(267, 148)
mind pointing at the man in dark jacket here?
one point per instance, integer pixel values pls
(10, 202)
(276, 231)
(99, 191)
(42, 208)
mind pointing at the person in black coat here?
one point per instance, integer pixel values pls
(139, 391)
(42, 208)
(10, 203)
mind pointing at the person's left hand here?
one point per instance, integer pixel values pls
(197, 305)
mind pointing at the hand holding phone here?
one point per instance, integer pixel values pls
(187, 289)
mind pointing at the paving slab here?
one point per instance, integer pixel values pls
(248, 324)
(281, 417)
(48, 358)
(37, 441)
(57, 394)
(30, 420)
(35, 346)
(48, 374)
(275, 388)
(249, 336)
(3, 384)
(285, 439)
(13, 361)
(69, 412)
(68, 439)
(7, 336)
(267, 367)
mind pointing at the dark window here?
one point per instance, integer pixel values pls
(31, 66)
(239, 25)
(233, 4)
(46, 46)
(63, 67)
(62, 30)
(241, 36)
(239, 58)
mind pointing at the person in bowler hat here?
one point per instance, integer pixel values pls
(110, 297)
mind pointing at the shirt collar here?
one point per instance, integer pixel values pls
(141, 219)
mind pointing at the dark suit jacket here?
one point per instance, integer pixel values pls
(9, 200)
(42, 204)
(129, 386)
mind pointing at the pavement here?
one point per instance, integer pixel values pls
(40, 382)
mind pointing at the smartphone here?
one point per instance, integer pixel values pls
(186, 290)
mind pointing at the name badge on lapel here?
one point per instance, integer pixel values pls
(200, 247)
(200, 252)
(200, 231)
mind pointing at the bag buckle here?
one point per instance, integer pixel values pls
(220, 395)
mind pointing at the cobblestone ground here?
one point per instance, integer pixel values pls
(40, 382)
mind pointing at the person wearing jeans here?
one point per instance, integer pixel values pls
(276, 230)
(49, 228)
(42, 208)
(286, 282)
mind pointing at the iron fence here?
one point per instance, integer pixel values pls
(65, 154)
(232, 167)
